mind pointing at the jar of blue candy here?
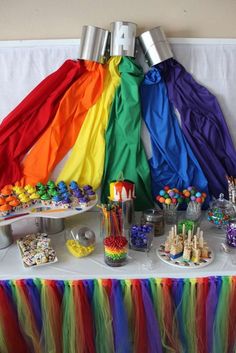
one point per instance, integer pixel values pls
(141, 237)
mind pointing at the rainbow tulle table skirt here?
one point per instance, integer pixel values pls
(120, 316)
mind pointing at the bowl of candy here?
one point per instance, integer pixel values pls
(220, 212)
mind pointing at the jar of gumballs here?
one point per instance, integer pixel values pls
(220, 212)
(141, 237)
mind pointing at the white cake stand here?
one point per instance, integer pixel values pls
(49, 219)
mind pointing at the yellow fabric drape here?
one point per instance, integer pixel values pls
(61, 135)
(86, 161)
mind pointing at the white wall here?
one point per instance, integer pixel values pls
(35, 19)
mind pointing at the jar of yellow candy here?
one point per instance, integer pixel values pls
(80, 241)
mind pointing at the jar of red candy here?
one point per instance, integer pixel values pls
(115, 250)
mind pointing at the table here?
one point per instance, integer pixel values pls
(70, 306)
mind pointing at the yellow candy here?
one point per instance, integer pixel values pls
(78, 250)
(19, 190)
(31, 190)
(167, 201)
(34, 196)
(27, 187)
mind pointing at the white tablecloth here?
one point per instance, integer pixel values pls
(69, 267)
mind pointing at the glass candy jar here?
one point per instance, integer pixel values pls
(80, 240)
(193, 211)
(115, 250)
(155, 218)
(141, 237)
(220, 212)
(231, 233)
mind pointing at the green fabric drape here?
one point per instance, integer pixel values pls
(124, 149)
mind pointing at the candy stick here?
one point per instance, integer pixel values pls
(172, 233)
(189, 236)
(195, 241)
(183, 231)
(201, 240)
(198, 231)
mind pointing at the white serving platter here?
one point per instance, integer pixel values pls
(179, 262)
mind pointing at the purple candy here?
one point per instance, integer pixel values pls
(83, 199)
(90, 192)
(78, 193)
(231, 234)
(87, 187)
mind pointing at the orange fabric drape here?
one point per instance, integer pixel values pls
(61, 135)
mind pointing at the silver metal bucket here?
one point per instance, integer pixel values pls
(6, 237)
(50, 225)
(155, 46)
(93, 44)
(123, 38)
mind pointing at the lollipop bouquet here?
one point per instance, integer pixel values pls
(170, 200)
(194, 200)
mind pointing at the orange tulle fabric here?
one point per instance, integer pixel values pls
(61, 135)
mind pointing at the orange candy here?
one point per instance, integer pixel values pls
(5, 207)
(2, 201)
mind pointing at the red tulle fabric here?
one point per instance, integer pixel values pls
(26, 123)
(87, 326)
(140, 328)
(9, 320)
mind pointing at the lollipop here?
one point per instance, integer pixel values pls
(170, 200)
(192, 194)
(194, 199)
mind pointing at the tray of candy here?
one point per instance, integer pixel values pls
(36, 250)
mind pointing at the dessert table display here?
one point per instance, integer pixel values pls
(61, 289)
(72, 303)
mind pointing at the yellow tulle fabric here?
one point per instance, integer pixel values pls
(86, 161)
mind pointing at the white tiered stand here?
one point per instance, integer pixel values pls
(49, 221)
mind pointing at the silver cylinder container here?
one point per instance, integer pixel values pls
(93, 44)
(6, 237)
(50, 225)
(123, 38)
(155, 46)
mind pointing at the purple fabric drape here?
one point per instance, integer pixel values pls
(203, 125)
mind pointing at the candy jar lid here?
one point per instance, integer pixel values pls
(153, 215)
(224, 205)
